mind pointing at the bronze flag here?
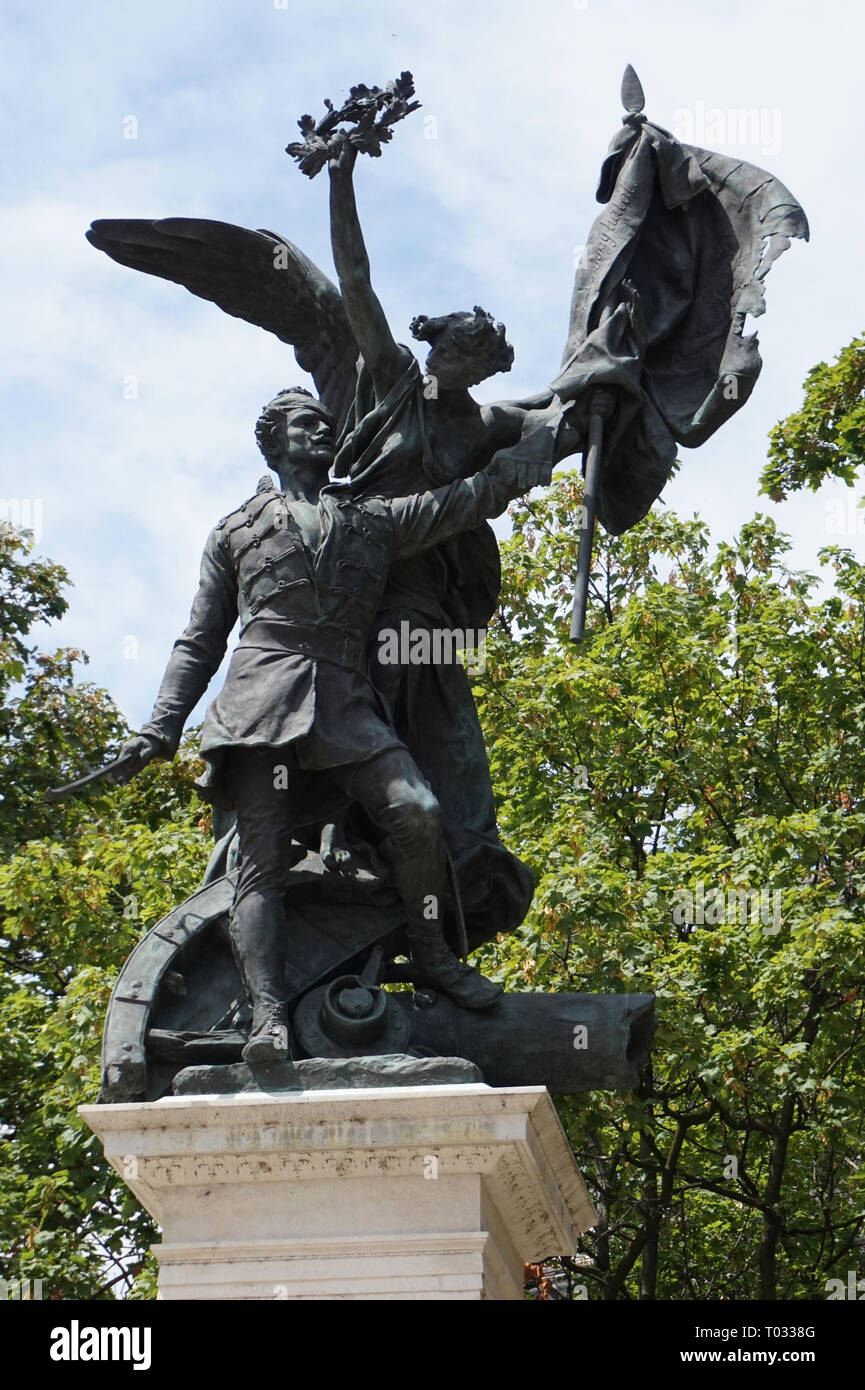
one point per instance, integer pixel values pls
(673, 265)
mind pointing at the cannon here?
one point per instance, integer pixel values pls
(179, 1002)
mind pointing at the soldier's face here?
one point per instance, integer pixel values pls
(309, 440)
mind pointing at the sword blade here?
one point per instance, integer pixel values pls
(70, 788)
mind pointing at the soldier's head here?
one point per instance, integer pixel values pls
(466, 347)
(295, 433)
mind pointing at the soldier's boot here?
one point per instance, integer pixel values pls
(416, 852)
(440, 968)
(270, 1039)
(258, 930)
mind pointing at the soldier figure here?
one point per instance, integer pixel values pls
(304, 568)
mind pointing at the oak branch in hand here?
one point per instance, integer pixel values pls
(372, 111)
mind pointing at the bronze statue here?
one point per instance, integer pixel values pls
(361, 787)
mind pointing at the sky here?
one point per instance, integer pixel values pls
(128, 405)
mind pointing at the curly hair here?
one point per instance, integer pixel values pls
(475, 334)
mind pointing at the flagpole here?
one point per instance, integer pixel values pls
(597, 414)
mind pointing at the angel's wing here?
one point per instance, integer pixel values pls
(257, 276)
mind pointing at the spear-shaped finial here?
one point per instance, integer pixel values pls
(633, 99)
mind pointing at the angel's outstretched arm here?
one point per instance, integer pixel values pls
(378, 348)
(513, 420)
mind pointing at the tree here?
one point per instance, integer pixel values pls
(698, 748)
(80, 882)
(826, 437)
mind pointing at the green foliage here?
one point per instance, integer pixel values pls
(826, 438)
(706, 732)
(80, 882)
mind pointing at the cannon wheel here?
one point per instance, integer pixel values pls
(179, 997)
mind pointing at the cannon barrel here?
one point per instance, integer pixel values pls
(566, 1042)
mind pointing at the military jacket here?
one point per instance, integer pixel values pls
(298, 674)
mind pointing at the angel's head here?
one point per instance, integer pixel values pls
(466, 347)
(295, 433)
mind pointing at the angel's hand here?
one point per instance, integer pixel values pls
(603, 402)
(517, 472)
(342, 153)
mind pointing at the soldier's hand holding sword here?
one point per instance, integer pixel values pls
(135, 754)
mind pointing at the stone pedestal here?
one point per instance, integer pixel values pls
(417, 1192)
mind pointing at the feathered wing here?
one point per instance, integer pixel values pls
(256, 276)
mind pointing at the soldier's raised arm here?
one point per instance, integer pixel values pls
(429, 517)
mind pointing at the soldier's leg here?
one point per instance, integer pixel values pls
(266, 792)
(391, 789)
